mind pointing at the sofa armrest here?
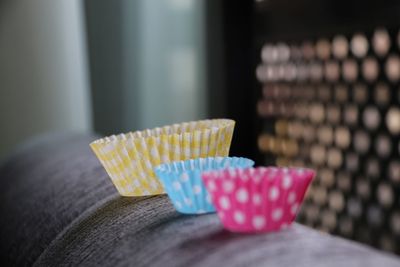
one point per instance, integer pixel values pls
(60, 208)
(45, 185)
(149, 232)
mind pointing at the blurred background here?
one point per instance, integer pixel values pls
(310, 83)
(109, 67)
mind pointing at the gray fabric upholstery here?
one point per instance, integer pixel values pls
(43, 188)
(148, 232)
(60, 208)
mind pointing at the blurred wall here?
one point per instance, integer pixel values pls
(43, 72)
(172, 62)
(147, 60)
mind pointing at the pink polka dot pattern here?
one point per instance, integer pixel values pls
(260, 199)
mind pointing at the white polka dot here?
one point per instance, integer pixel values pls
(228, 186)
(177, 185)
(286, 181)
(294, 208)
(258, 222)
(184, 177)
(188, 201)
(300, 171)
(200, 211)
(224, 202)
(197, 189)
(257, 199)
(208, 198)
(178, 204)
(273, 193)
(241, 195)
(277, 214)
(291, 197)
(239, 217)
(212, 186)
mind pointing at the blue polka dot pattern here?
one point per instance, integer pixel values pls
(184, 186)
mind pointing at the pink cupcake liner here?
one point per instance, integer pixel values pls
(260, 199)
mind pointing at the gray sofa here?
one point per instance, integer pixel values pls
(60, 208)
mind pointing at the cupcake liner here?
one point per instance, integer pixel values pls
(260, 199)
(129, 158)
(184, 186)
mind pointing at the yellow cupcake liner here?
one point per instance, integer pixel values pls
(130, 158)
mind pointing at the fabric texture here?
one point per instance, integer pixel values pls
(44, 186)
(59, 208)
(148, 232)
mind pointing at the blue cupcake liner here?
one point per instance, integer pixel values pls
(184, 186)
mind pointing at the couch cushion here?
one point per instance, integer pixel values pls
(60, 208)
(148, 232)
(44, 186)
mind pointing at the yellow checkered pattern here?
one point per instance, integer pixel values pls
(129, 158)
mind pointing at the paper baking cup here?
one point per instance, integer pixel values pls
(184, 186)
(260, 199)
(129, 158)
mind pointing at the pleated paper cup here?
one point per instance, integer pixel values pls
(184, 186)
(129, 158)
(263, 199)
